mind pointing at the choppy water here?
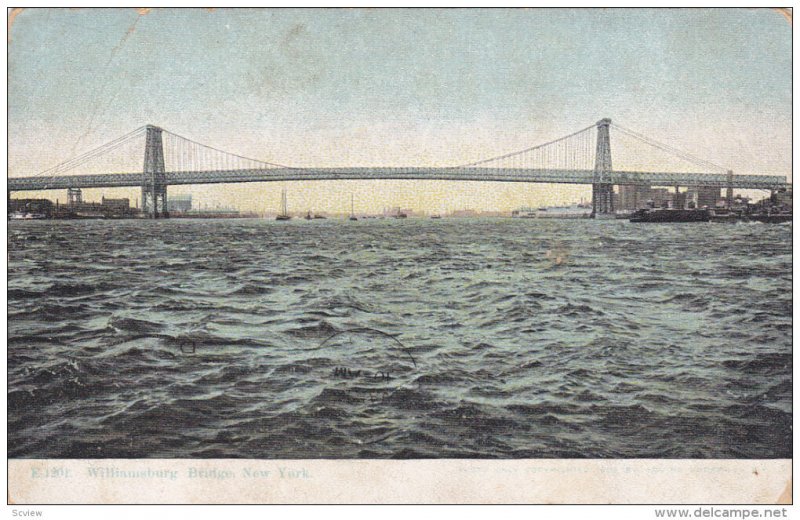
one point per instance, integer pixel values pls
(412, 338)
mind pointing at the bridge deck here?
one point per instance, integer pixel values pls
(116, 180)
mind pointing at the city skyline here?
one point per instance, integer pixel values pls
(469, 84)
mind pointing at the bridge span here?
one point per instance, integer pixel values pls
(578, 158)
(121, 180)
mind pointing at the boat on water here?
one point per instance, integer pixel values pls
(572, 211)
(436, 216)
(671, 215)
(768, 217)
(401, 215)
(352, 213)
(309, 216)
(726, 219)
(18, 215)
(725, 216)
(771, 218)
(524, 213)
(284, 215)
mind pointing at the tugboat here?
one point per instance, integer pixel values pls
(284, 213)
(671, 215)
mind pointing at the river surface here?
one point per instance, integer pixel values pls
(413, 338)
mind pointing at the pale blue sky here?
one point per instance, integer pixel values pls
(324, 87)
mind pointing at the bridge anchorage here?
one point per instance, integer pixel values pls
(578, 158)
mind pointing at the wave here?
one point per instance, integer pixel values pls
(636, 349)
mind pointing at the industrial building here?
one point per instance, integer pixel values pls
(632, 198)
(179, 203)
(40, 208)
(703, 197)
(75, 208)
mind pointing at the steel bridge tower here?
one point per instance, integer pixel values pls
(602, 192)
(154, 181)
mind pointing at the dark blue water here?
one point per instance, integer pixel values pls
(399, 338)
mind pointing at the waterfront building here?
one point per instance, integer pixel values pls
(703, 197)
(39, 207)
(179, 203)
(633, 197)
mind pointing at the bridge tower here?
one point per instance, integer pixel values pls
(154, 181)
(602, 192)
(729, 191)
(74, 196)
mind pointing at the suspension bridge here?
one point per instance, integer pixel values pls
(582, 157)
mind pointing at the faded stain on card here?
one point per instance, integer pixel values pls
(12, 15)
(786, 496)
(786, 12)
